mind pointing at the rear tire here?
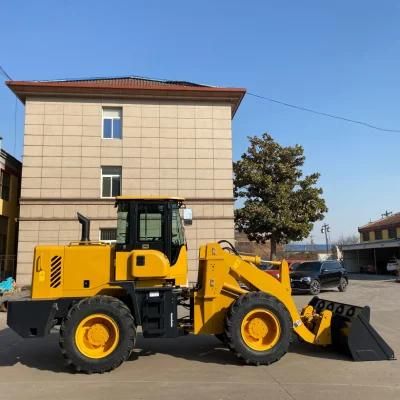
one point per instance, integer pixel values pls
(97, 334)
(315, 287)
(258, 328)
(222, 338)
(343, 284)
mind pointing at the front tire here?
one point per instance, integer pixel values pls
(342, 285)
(97, 334)
(258, 328)
(315, 287)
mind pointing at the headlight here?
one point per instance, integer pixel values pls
(305, 279)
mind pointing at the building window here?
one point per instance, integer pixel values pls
(108, 235)
(112, 123)
(365, 236)
(110, 181)
(5, 185)
(392, 233)
(378, 235)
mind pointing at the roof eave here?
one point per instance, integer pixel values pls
(22, 89)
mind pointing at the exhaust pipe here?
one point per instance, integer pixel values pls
(85, 222)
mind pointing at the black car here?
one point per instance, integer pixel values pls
(312, 276)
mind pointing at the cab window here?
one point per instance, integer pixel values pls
(151, 223)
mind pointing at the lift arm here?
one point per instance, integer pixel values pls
(223, 276)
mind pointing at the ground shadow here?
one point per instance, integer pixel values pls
(309, 350)
(38, 353)
(44, 353)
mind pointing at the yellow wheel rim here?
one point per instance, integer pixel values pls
(97, 336)
(260, 329)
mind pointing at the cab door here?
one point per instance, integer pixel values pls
(151, 229)
(331, 273)
(326, 274)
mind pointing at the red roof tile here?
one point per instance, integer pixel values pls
(391, 220)
(128, 86)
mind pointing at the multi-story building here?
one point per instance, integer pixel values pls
(87, 141)
(10, 179)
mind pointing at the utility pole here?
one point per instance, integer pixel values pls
(386, 214)
(326, 229)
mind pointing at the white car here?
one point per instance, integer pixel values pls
(393, 265)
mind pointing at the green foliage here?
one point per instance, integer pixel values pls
(280, 204)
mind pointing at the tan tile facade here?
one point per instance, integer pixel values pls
(167, 148)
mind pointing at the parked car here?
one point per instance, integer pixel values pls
(293, 265)
(393, 265)
(270, 269)
(312, 276)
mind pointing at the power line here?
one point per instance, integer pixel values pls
(5, 73)
(324, 114)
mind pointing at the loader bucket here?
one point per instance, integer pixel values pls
(352, 333)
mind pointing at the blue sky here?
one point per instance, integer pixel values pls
(340, 57)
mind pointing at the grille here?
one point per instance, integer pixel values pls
(55, 271)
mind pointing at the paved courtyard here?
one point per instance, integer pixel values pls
(200, 368)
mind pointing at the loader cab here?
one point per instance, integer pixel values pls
(150, 223)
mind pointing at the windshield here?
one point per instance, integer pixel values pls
(309, 266)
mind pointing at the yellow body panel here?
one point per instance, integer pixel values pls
(155, 270)
(61, 271)
(126, 265)
(84, 270)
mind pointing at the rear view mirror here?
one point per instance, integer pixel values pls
(187, 216)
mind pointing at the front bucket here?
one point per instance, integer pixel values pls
(352, 333)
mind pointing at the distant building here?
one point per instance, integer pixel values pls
(380, 242)
(384, 229)
(10, 179)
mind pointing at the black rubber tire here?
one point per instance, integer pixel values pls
(233, 321)
(343, 284)
(222, 338)
(315, 287)
(115, 309)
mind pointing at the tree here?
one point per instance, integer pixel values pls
(280, 204)
(350, 239)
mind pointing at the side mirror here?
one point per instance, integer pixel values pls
(187, 216)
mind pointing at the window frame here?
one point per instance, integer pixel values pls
(393, 230)
(112, 241)
(112, 124)
(365, 236)
(102, 176)
(378, 234)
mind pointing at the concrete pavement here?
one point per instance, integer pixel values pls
(201, 368)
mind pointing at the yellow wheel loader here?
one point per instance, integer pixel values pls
(99, 294)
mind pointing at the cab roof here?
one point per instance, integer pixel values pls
(151, 197)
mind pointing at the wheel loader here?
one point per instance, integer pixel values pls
(100, 294)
